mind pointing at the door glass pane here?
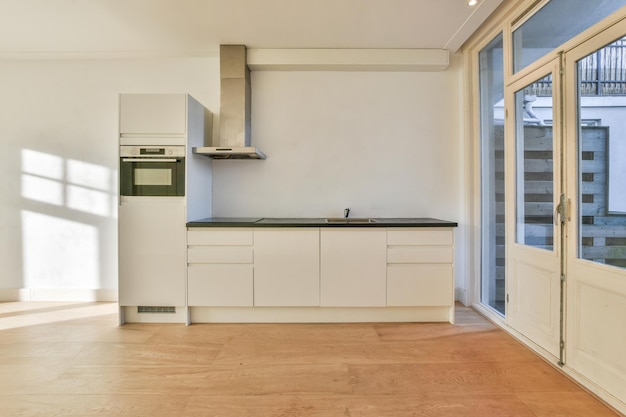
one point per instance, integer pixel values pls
(534, 165)
(556, 23)
(602, 155)
(492, 174)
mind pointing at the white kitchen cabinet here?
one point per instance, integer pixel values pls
(152, 256)
(220, 269)
(152, 232)
(153, 114)
(353, 267)
(225, 285)
(320, 274)
(420, 267)
(419, 254)
(286, 267)
(220, 236)
(220, 254)
(419, 285)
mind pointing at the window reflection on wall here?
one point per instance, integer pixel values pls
(59, 253)
(60, 241)
(75, 184)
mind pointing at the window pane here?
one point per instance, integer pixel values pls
(492, 174)
(534, 167)
(556, 23)
(602, 155)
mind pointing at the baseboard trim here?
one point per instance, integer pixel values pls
(462, 296)
(319, 314)
(57, 294)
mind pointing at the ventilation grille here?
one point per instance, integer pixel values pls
(156, 309)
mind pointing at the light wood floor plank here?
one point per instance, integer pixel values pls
(136, 354)
(358, 406)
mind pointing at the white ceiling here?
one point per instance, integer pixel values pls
(197, 27)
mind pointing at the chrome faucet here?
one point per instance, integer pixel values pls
(346, 213)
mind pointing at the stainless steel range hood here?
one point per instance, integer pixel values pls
(234, 136)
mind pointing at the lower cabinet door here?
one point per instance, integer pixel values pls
(420, 285)
(152, 260)
(353, 267)
(220, 285)
(286, 267)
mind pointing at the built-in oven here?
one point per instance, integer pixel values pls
(152, 171)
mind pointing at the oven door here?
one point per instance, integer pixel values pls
(154, 177)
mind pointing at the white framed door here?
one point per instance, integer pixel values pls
(595, 141)
(533, 189)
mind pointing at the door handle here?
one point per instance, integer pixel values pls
(562, 211)
(147, 160)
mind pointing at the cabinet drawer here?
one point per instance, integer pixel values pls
(426, 237)
(419, 254)
(419, 285)
(220, 255)
(220, 237)
(220, 285)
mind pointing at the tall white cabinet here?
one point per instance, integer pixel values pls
(152, 230)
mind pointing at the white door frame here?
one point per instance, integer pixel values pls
(533, 274)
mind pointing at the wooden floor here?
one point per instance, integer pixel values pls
(71, 359)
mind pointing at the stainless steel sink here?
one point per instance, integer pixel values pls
(350, 220)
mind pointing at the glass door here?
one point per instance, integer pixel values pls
(595, 88)
(533, 190)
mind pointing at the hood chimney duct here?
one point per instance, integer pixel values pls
(234, 133)
(234, 97)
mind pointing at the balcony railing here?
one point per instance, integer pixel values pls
(602, 73)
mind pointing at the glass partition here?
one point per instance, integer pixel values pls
(554, 24)
(492, 174)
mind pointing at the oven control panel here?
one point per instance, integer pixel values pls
(151, 151)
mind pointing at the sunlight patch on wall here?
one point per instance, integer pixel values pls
(89, 187)
(75, 184)
(88, 175)
(59, 253)
(42, 189)
(42, 164)
(89, 201)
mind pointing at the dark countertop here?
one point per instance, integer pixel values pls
(316, 222)
(224, 222)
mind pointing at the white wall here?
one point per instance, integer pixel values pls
(59, 135)
(386, 144)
